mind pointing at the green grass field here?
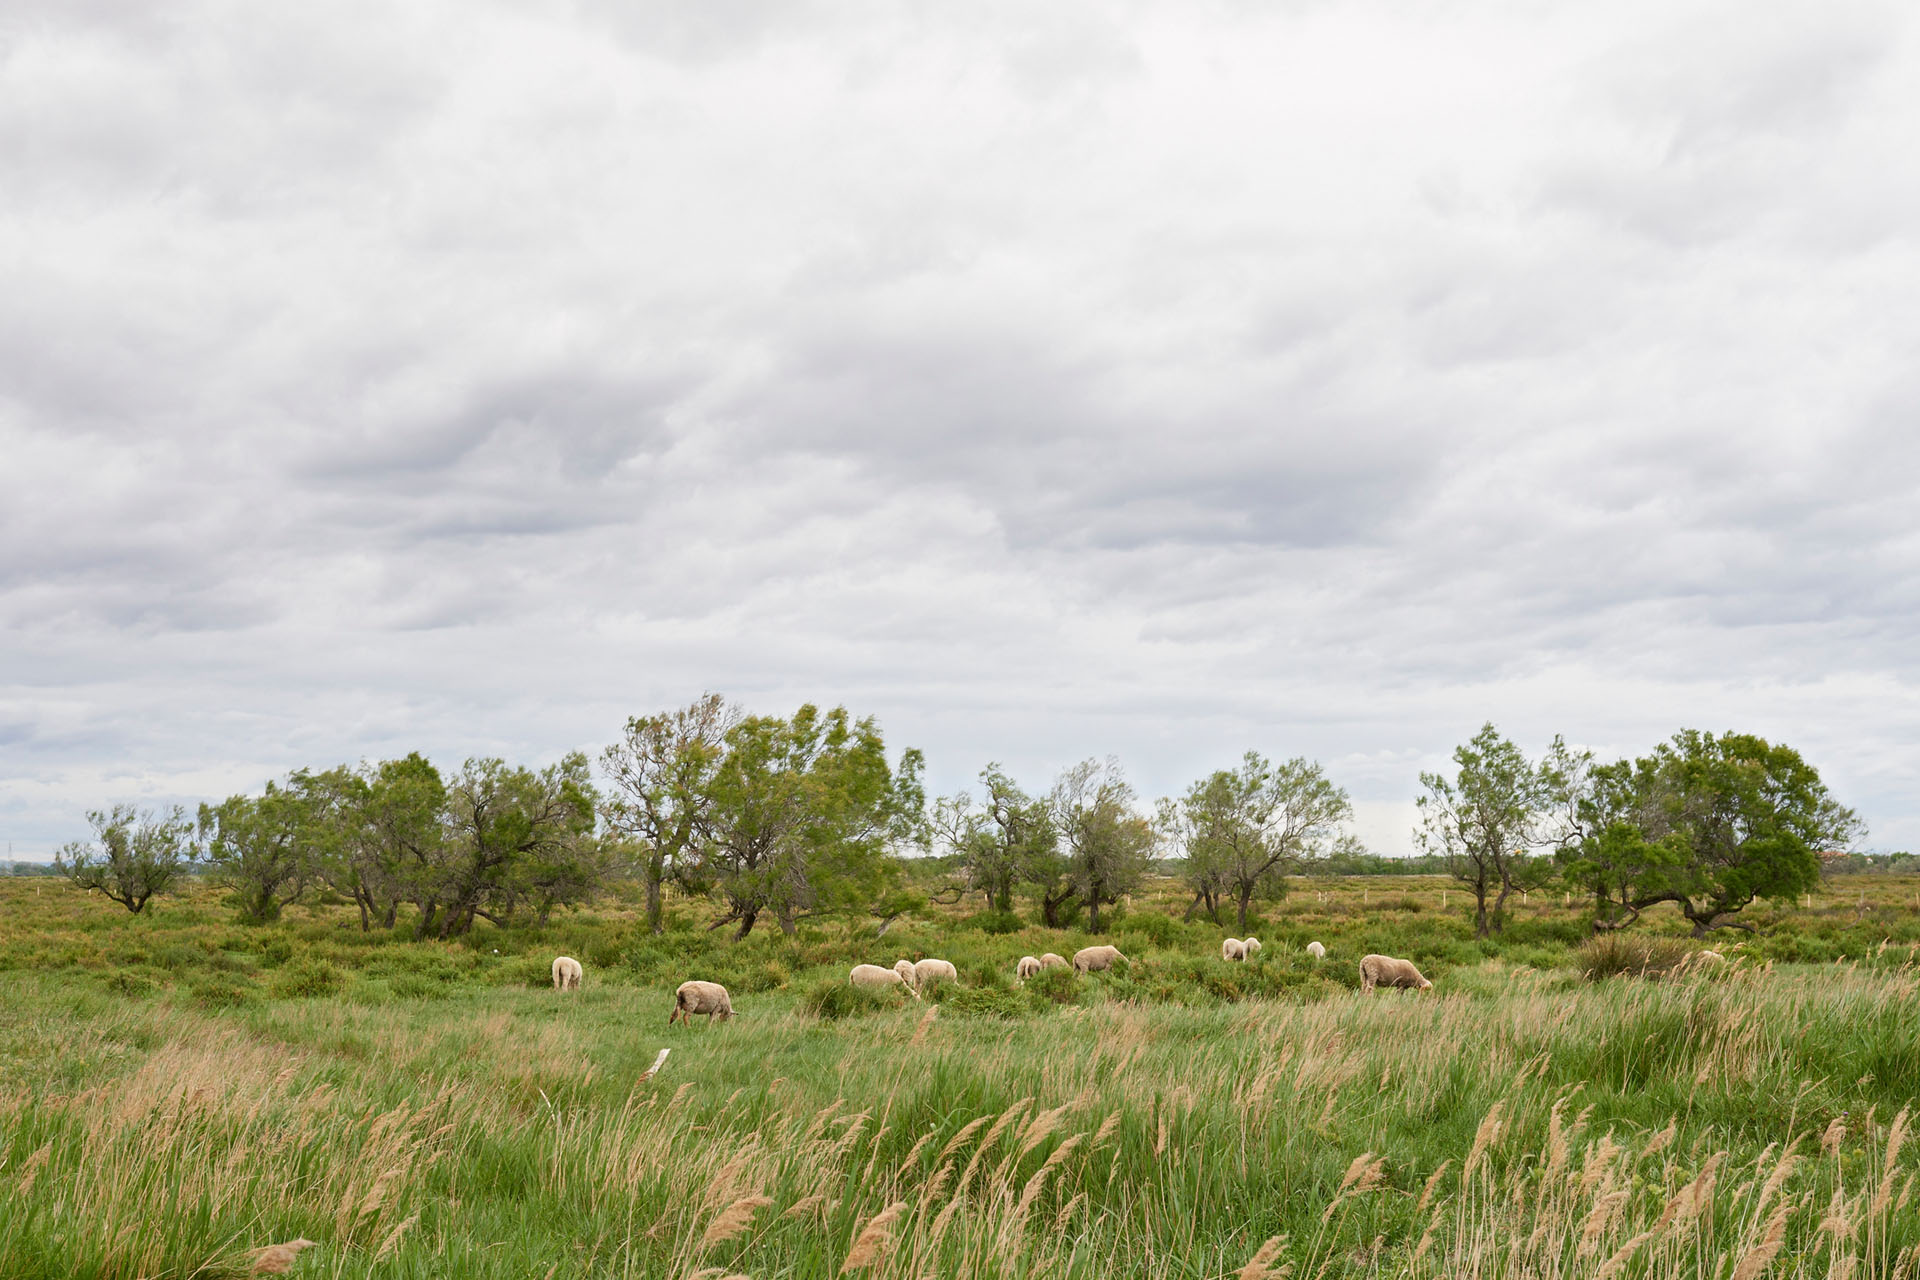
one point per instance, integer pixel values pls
(177, 1092)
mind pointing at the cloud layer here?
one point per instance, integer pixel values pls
(1161, 380)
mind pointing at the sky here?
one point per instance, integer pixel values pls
(1156, 380)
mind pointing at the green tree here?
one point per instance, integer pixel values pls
(1109, 846)
(1487, 819)
(263, 848)
(379, 833)
(998, 842)
(506, 828)
(1709, 823)
(1244, 830)
(135, 854)
(806, 817)
(662, 798)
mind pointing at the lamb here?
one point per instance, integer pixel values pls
(1052, 961)
(928, 972)
(566, 973)
(1709, 957)
(1027, 967)
(1385, 971)
(872, 975)
(1253, 948)
(1094, 959)
(709, 998)
(1233, 949)
(1317, 951)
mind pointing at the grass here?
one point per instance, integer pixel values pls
(177, 1093)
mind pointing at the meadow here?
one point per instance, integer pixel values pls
(178, 1092)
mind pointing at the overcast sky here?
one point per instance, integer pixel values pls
(1046, 380)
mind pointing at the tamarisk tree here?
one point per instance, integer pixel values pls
(135, 854)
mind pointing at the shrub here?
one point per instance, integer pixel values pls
(129, 983)
(1614, 954)
(416, 986)
(221, 991)
(832, 999)
(996, 922)
(306, 978)
(1156, 927)
(985, 1002)
(275, 951)
(1056, 986)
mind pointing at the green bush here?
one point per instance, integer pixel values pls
(221, 991)
(985, 1002)
(1156, 927)
(416, 986)
(275, 951)
(1057, 986)
(832, 999)
(996, 922)
(129, 983)
(1638, 956)
(306, 978)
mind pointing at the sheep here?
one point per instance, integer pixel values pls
(872, 975)
(709, 998)
(1709, 957)
(566, 973)
(1094, 959)
(928, 972)
(1233, 949)
(1317, 951)
(1253, 948)
(1027, 967)
(1052, 961)
(1385, 971)
(908, 974)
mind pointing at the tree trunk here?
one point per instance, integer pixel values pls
(366, 916)
(746, 924)
(1003, 898)
(1245, 900)
(788, 925)
(1188, 917)
(393, 912)
(1480, 911)
(653, 900)
(1094, 905)
(1500, 906)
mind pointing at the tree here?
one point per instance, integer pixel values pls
(506, 829)
(662, 775)
(998, 842)
(805, 817)
(1497, 808)
(262, 848)
(139, 854)
(1108, 844)
(378, 833)
(1245, 829)
(1707, 823)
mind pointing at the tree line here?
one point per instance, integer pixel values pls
(785, 819)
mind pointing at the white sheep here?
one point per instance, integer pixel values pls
(1386, 971)
(709, 998)
(1709, 957)
(1317, 951)
(930, 972)
(1253, 948)
(1094, 959)
(872, 975)
(1052, 961)
(566, 973)
(1233, 949)
(1027, 968)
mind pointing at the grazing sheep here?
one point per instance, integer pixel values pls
(566, 973)
(1317, 951)
(1709, 957)
(908, 974)
(1027, 967)
(709, 998)
(1094, 959)
(1233, 949)
(1253, 948)
(1052, 961)
(872, 975)
(1385, 971)
(929, 972)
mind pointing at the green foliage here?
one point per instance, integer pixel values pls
(262, 848)
(1638, 956)
(1057, 986)
(987, 1002)
(306, 978)
(996, 922)
(1150, 927)
(831, 1000)
(135, 854)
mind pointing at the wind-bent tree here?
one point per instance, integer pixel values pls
(378, 833)
(263, 848)
(1108, 844)
(662, 798)
(1707, 823)
(1496, 809)
(998, 842)
(805, 816)
(1244, 830)
(138, 854)
(506, 828)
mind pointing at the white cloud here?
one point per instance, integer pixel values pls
(1162, 381)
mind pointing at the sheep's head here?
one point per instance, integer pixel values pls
(905, 969)
(1425, 985)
